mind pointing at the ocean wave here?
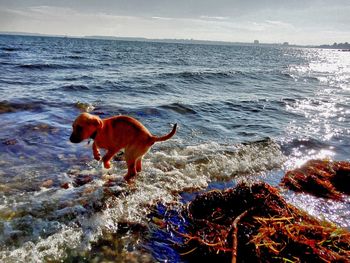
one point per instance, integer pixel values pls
(246, 106)
(68, 57)
(6, 56)
(302, 78)
(201, 75)
(233, 77)
(75, 78)
(179, 108)
(74, 87)
(51, 66)
(11, 49)
(15, 81)
(31, 105)
(41, 66)
(75, 57)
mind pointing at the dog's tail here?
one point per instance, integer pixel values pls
(165, 137)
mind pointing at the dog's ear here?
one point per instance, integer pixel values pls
(96, 121)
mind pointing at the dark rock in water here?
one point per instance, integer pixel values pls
(9, 107)
(65, 185)
(10, 142)
(47, 183)
(255, 224)
(81, 179)
(42, 127)
(84, 107)
(122, 246)
(321, 178)
(6, 107)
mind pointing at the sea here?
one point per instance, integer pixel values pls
(245, 113)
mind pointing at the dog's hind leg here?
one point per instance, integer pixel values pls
(133, 160)
(133, 157)
(131, 169)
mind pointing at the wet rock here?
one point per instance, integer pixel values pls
(44, 128)
(114, 191)
(8, 107)
(81, 179)
(5, 188)
(7, 214)
(122, 246)
(65, 185)
(85, 107)
(47, 183)
(10, 142)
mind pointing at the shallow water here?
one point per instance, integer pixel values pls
(245, 113)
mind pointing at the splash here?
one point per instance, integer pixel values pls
(53, 221)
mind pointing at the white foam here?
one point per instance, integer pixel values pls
(167, 171)
(52, 247)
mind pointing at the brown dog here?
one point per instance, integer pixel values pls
(114, 134)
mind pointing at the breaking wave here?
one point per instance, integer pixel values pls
(45, 224)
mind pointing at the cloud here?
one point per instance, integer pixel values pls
(162, 18)
(278, 23)
(220, 18)
(226, 20)
(52, 10)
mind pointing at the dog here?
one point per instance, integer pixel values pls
(114, 134)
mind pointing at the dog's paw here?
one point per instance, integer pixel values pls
(128, 179)
(107, 165)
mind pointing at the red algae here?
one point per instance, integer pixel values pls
(322, 178)
(255, 224)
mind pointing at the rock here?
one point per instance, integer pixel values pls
(47, 183)
(10, 142)
(65, 185)
(82, 180)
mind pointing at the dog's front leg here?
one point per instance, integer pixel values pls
(96, 152)
(108, 156)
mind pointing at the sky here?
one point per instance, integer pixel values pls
(305, 22)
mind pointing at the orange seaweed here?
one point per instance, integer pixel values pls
(322, 178)
(255, 224)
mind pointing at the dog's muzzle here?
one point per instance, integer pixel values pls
(74, 139)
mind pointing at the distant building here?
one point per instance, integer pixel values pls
(285, 44)
(256, 42)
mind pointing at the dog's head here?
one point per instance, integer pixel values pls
(84, 126)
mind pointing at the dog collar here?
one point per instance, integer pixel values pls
(93, 136)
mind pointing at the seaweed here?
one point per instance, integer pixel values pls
(322, 178)
(255, 224)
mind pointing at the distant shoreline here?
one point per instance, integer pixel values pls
(142, 39)
(341, 46)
